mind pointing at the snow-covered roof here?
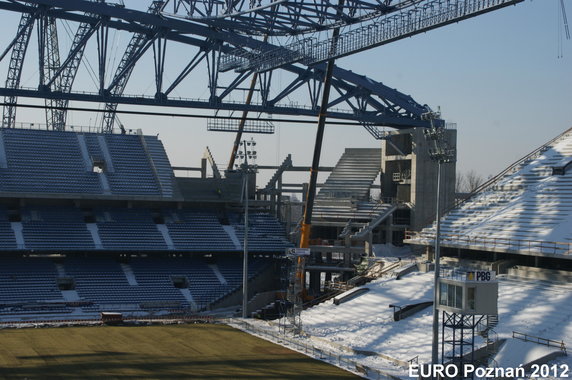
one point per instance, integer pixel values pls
(526, 210)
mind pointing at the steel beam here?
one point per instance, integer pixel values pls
(373, 118)
(19, 48)
(379, 104)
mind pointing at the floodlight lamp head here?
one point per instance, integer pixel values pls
(431, 115)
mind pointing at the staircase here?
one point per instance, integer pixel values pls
(345, 193)
(385, 211)
(353, 175)
(487, 331)
(347, 229)
(208, 155)
(286, 164)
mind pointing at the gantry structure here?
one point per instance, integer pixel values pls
(216, 46)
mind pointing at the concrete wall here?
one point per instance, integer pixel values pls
(210, 189)
(551, 275)
(268, 280)
(423, 180)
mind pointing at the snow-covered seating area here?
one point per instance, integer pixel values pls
(364, 331)
(527, 209)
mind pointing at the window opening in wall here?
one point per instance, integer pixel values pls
(471, 298)
(451, 295)
(98, 165)
(66, 283)
(88, 216)
(180, 282)
(14, 216)
(158, 218)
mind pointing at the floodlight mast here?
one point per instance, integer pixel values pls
(243, 118)
(246, 169)
(440, 153)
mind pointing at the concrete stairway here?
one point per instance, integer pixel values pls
(345, 193)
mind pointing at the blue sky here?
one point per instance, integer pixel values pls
(498, 76)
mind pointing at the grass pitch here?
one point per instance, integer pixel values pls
(152, 352)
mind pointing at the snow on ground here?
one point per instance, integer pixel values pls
(365, 323)
(516, 352)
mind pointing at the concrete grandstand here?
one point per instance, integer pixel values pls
(517, 224)
(80, 236)
(98, 222)
(525, 210)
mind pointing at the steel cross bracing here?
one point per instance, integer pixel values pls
(137, 46)
(281, 17)
(354, 97)
(53, 76)
(65, 74)
(19, 46)
(400, 23)
(49, 62)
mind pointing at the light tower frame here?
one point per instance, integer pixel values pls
(246, 169)
(441, 153)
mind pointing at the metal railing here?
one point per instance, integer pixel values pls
(315, 352)
(513, 168)
(496, 243)
(72, 128)
(407, 22)
(543, 341)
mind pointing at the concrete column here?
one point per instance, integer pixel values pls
(388, 230)
(315, 282)
(279, 195)
(348, 240)
(369, 245)
(204, 168)
(304, 191)
(430, 253)
(273, 206)
(288, 216)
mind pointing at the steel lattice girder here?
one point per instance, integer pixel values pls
(19, 47)
(424, 16)
(282, 17)
(369, 102)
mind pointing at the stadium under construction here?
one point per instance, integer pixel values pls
(380, 267)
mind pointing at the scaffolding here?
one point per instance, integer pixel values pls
(458, 339)
(293, 271)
